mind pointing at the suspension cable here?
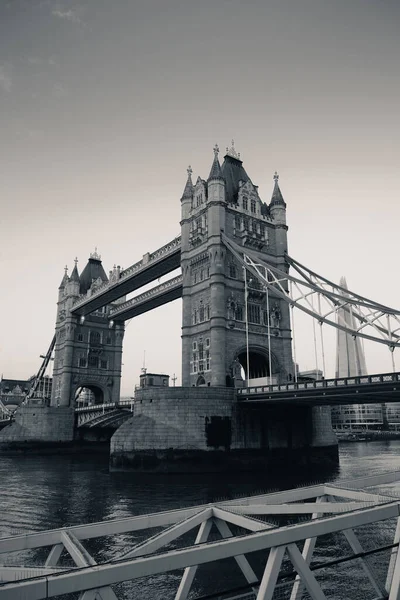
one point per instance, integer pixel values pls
(322, 338)
(269, 338)
(247, 326)
(294, 337)
(315, 341)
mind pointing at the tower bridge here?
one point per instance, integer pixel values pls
(239, 288)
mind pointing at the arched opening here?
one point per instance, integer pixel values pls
(89, 395)
(259, 371)
(200, 381)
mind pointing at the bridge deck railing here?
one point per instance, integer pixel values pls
(321, 384)
(108, 405)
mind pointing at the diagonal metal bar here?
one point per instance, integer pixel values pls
(190, 572)
(307, 577)
(393, 557)
(241, 560)
(271, 572)
(165, 537)
(240, 520)
(308, 550)
(82, 558)
(54, 555)
(357, 548)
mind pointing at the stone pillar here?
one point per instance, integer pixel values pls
(218, 333)
(321, 427)
(68, 353)
(117, 367)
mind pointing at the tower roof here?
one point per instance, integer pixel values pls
(343, 283)
(92, 271)
(277, 197)
(65, 279)
(188, 191)
(75, 274)
(215, 172)
(233, 172)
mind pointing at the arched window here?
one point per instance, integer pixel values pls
(94, 338)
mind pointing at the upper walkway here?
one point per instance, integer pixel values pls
(355, 525)
(150, 267)
(365, 389)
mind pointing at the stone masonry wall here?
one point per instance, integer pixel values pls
(186, 418)
(40, 424)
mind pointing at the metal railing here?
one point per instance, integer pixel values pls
(321, 384)
(106, 406)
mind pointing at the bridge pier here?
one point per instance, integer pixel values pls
(38, 425)
(205, 429)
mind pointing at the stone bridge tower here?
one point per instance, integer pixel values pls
(88, 352)
(214, 348)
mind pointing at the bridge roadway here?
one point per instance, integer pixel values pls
(366, 389)
(240, 528)
(152, 266)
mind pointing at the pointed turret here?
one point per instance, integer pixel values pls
(343, 283)
(72, 288)
(215, 173)
(75, 275)
(65, 279)
(277, 207)
(277, 197)
(92, 271)
(188, 191)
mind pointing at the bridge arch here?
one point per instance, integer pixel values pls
(259, 362)
(97, 393)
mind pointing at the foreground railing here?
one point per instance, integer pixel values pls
(321, 384)
(349, 509)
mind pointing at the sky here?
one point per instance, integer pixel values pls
(105, 103)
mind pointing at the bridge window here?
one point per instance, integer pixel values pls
(207, 360)
(232, 271)
(207, 342)
(201, 314)
(253, 313)
(93, 361)
(262, 230)
(253, 205)
(237, 222)
(108, 339)
(80, 337)
(94, 337)
(103, 364)
(245, 203)
(82, 362)
(239, 313)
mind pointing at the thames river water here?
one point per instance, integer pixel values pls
(46, 492)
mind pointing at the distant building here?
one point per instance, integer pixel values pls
(313, 375)
(350, 361)
(15, 391)
(153, 380)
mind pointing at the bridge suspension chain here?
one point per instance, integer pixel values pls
(41, 373)
(374, 321)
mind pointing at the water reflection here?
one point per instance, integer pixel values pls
(54, 491)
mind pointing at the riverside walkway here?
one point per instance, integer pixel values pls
(278, 531)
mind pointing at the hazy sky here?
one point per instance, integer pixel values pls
(104, 103)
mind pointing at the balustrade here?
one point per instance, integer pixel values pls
(322, 383)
